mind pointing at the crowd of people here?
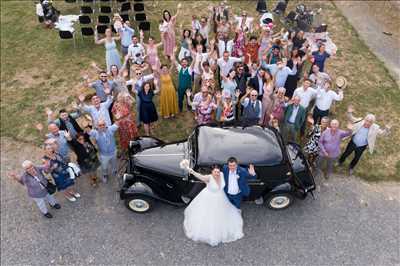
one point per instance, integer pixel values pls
(229, 69)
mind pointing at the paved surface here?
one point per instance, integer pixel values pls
(350, 223)
(371, 19)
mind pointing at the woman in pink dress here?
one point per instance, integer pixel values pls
(151, 52)
(267, 100)
(167, 29)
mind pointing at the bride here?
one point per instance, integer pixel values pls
(210, 217)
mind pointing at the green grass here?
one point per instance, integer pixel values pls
(38, 70)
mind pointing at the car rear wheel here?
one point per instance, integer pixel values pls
(139, 203)
(279, 201)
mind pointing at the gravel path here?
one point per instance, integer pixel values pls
(350, 223)
(371, 19)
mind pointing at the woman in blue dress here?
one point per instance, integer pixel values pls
(148, 112)
(112, 54)
(58, 169)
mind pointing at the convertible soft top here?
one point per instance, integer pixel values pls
(254, 144)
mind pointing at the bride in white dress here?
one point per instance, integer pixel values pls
(210, 217)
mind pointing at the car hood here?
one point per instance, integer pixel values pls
(164, 159)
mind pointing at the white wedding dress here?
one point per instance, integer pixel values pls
(211, 218)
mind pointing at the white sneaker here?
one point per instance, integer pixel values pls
(259, 201)
(77, 195)
(71, 199)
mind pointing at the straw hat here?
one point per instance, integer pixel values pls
(341, 82)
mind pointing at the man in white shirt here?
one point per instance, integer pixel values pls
(199, 58)
(306, 94)
(324, 100)
(226, 63)
(136, 51)
(224, 45)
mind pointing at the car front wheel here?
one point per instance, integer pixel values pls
(279, 201)
(139, 203)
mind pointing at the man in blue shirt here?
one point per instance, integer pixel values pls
(105, 140)
(126, 33)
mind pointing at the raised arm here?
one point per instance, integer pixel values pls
(96, 38)
(204, 178)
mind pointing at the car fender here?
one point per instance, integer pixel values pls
(285, 187)
(142, 143)
(140, 188)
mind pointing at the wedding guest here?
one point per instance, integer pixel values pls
(105, 140)
(224, 44)
(311, 147)
(137, 81)
(103, 85)
(59, 137)
(198, 57)
(239, 44)
(168, 100)
(295, 115)
(329, 146)
(199, 40)
(275, 55)
(280, 71)
(306, 94)
(136, 51)
(151, 52)
(122, 111)
(226, 63)
(205, 27)
(112, 55)
(291, 80)
(228, 83)
(252, 108)
(267, 99)
(226, 107)
(65, 121)
(118, 76)
(184, 79)
(258, 81)
(35, 182)
(148, 112)
(279, 105)
(324, 100)
(317, 77)
(202, 105)
(86, 156)
(97, 110)
(265, 41)
(58, 169)
(186, 45)
(168, 31)
(244, 22)
(364, 134)
(126, 33)
(320, 57)
(251, 50)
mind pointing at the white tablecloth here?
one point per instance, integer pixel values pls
(66, 23)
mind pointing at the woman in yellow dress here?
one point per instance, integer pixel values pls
(168, 100)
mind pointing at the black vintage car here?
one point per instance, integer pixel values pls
(153, 173)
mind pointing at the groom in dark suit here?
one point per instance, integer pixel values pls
(236, 181)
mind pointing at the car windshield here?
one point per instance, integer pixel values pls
(191, 155)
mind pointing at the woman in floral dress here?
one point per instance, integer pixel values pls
(122, 111)
(311, 148)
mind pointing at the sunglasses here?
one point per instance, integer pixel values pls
(255, 95)
(103, 77)
(137, 74)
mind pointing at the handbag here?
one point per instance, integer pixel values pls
(51, 188)
(73, 170)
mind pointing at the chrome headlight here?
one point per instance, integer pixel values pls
(127, 177)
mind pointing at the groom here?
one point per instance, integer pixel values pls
(236, 180)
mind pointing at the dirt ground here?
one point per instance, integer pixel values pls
(372, 19)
